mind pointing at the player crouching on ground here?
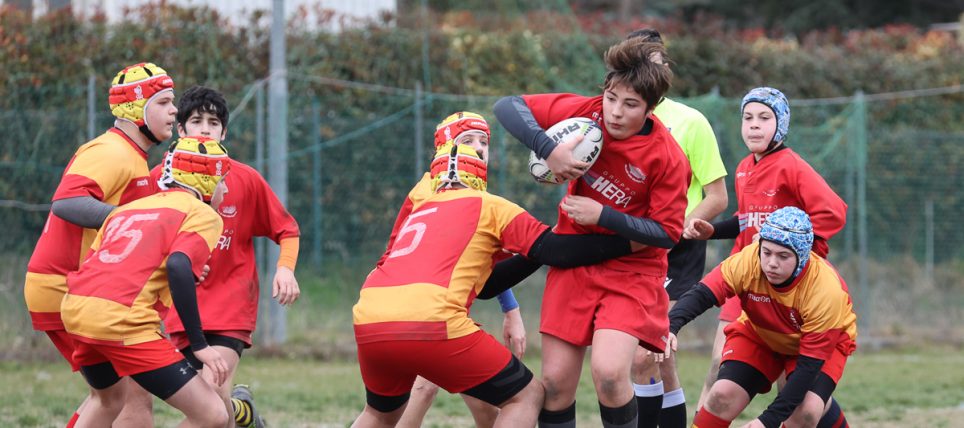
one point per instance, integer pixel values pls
(146, 256)
(797, 316)
(412, 319)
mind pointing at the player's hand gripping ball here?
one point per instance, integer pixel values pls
(587, 150)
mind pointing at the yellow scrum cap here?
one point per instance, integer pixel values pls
(196, 163)
(133, 89)
(458, 164)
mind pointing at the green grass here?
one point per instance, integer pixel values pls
(907, 388)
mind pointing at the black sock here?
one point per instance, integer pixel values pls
(619, 417)
(673, 414)
(833, 417)
(565, 418)
(649, 402)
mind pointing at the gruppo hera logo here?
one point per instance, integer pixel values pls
(610, 187)
(228, 210)
(635, 173)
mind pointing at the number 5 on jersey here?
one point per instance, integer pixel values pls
(418, 228)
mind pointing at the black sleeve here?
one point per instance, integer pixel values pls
(516, 117)
(507, 274)
(184, 294)
(84, 211)
(568, 251)
(639, 229)
(726, 229)
(690, 305)
(798, 383)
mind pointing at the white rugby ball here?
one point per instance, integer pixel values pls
(587, 150)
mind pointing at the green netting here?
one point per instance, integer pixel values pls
(358, 99)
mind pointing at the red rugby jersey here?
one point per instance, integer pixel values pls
(812, 316)
(783, 179)
(228, 297)
(112, 169)
(437, 264)
(643, 176)
(121, 293)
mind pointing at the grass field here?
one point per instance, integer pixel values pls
(907, 388)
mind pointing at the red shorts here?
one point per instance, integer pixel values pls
(128, 359)
(389, 367)
(581, 300)
(180, 340)
(731, 309)
(65, 344)
(743, 344)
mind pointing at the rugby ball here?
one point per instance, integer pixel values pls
(587, 150)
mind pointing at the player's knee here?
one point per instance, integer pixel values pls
(554, 388)
(722, 398)
(608, 381)
(807, 414)
(111, 399)
(644, 367)
(214, 417)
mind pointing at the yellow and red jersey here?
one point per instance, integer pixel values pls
(646, 175)
(110, 168)
(436, 265)
(228, 297)
(121, 294)
(422, 191)
(812, 316)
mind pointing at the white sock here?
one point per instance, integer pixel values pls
(673, 398)
(651, 390)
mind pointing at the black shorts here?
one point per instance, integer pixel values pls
(753, 381)
(686, 263)
(237, 345)
(162, 382)
(502, 386)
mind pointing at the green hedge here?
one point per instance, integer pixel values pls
(47, 62)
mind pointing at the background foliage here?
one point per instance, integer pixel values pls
(353, 117)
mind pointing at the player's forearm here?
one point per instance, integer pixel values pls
(568, 251)
(507, 274)
(288, 256)
(643, 230)
(691, 305)
(84, 211)
(516, 117)
(798, 383)
(184, 294)
(507, 301)
(713, 204)
(728, 228)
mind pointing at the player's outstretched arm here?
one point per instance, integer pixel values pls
(507, 274)
(183, 293)
(84, 211)
(792, 394)
(517, 118)
(691, 305)
(589, 212)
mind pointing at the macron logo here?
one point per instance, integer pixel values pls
(758, 298)
(142, 182)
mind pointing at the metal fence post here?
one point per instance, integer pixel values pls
(419, 126)
(316, 205)
(91, 107)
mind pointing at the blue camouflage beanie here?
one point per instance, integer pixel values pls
(790, 227)
(773, 98)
